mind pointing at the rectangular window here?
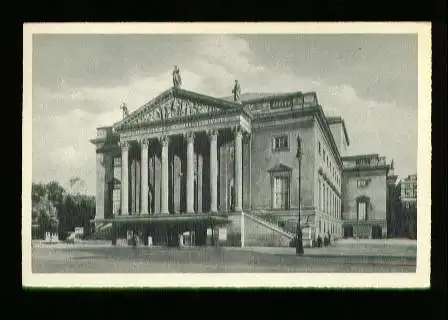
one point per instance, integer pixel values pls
(281, 193)
(323, 154)
(117, 168)
(362, 211)
(320, 197)
(363, 162)
(319, 148)
(325, 198)
(116, 201)
(281, 143)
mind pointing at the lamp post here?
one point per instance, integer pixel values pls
(299, 243)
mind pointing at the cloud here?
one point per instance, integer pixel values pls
(66, 116)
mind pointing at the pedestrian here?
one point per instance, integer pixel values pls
(134, 243)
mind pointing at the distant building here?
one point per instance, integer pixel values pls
(365, 196)
(409, 206)
(394, 218)
(227, 172)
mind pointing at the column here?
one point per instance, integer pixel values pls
(144, 176)
(239, 170)
(124, 178)
(214, 170)
(199, 182)
(190, 172)
(164, 141)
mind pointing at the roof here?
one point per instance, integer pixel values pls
(252, 95)
(178, 93)
(332, 120)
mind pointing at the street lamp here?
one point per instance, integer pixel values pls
(299, 243)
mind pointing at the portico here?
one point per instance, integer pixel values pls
(167, 159)
(180, 159)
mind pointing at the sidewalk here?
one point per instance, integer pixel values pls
(364, 249)
(340, 250)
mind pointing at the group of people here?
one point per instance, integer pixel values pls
(323, 242)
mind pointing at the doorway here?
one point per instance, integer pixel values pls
(376, 232)
(348, 232)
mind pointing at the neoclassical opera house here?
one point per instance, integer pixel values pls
(226, 171)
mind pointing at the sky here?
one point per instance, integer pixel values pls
(80, 80)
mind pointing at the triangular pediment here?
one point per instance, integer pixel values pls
(280, 167)
(175, 104)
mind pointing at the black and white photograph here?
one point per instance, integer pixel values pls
(155, 151)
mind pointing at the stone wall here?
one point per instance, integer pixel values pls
(264, 158)
(376, 191)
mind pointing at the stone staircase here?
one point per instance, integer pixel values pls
(284, 231)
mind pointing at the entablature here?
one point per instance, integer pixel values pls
(204, 123)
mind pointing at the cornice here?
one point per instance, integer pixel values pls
(320, 116)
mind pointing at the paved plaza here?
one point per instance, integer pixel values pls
(358, 257)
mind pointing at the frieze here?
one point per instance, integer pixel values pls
(164, 129)
(171, 108)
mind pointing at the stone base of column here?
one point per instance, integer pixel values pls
(164, 212)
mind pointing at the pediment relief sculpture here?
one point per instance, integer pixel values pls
(171, 108)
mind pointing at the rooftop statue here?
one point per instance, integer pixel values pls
(177, 80)
(236, 92)
(125, 110)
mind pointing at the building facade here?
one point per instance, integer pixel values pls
(227, 172)
(395, 221)
(408, 200)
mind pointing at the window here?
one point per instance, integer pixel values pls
(363, 162)
(319, 148)
(281, 143)
(362, 211)
(117, 168)
(362, 207)
(320, 197)
(116, 196)
(323, 154)
(324, 192)
(362, 183)
(281, 192)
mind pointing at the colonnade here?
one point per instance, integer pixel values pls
(145, 144)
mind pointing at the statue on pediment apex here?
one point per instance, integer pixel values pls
(236, 92)
(124, 109)
(177, 80)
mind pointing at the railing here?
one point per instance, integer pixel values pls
(287, 226)
(370, 163)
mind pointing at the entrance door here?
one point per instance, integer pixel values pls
(376, 232)
(348, 232)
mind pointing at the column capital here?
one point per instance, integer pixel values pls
(124, 145)
(189, 136)
(164, 140)
(237, 131)
(144, 142)
(212, 134)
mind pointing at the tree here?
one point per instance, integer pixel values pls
(46, 216)
(56, 194)
(77, 185)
